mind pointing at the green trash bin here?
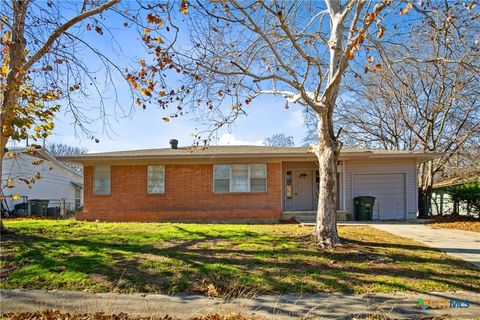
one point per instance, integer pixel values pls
(364, 208)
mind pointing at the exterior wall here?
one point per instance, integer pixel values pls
(188, 196)
(55, 184)
(406, 166)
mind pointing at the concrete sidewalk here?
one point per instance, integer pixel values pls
(321, 306)
(459, 243)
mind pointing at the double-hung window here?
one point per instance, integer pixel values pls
(240, 177)
(156, 179)
(102, 180)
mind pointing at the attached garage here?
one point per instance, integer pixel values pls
(388, 189)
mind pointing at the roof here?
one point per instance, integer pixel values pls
(246, 151)
(43, 153)
(467, 177)
(76, 184)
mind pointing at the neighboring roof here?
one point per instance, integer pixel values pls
(212, 152)
(458, 179)
(78, 185)
(42, 153)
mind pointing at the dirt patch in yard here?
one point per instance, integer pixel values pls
(456, 222)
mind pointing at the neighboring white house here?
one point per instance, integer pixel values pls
(442, 202)
(34, 174)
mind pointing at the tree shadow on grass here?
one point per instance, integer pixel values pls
(190, 266)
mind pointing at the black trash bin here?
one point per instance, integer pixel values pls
(38, 207)
(52, 212)
(364, 208)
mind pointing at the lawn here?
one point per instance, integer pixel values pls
(224, 260)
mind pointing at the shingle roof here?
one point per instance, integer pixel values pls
(231, 151)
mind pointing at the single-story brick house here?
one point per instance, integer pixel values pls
(240, 183)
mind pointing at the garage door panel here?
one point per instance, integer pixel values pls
(389, 191)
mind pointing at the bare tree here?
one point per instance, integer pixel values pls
(427, 97)
(62, 149)
(279, 140)
(241, 50)
(48, 64)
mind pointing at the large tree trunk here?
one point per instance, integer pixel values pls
(425, 189)
(327, 152)
(15, 76)
(3, 144)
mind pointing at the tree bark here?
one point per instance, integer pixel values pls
(327, 152)
(14, 79)
(425, 189)
(3, 143)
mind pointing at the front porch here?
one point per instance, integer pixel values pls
(300, 192)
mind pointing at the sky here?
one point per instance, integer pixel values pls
(142, 129)
(146, 129)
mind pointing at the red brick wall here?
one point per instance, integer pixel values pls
(188, 196)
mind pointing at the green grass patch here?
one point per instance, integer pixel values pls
(220, 259)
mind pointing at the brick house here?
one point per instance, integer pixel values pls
(240, 183)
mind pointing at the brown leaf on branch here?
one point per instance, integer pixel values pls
(184, 7)
(407, 8)
(381, 31)
(151, 18)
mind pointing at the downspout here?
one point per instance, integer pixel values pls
(416, 187)
(343, 186)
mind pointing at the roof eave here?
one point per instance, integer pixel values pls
(422, 157)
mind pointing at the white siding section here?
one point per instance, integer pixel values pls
(56, 181)
(385, 179)
(389, 201)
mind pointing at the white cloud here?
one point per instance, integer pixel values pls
(296, 120)
(229, 139)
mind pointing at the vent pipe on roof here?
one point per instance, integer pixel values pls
(174, 143)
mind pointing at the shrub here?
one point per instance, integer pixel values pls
(468, 193)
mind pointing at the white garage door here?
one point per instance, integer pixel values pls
(389, 191)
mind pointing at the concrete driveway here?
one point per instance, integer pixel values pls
(461, 244)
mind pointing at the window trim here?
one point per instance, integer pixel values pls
(230, 178)
(94, 179)
(156, 193)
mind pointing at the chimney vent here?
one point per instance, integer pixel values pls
(174, 143)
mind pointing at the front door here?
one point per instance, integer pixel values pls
(303, 183)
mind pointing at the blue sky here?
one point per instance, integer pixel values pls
(145, 128)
